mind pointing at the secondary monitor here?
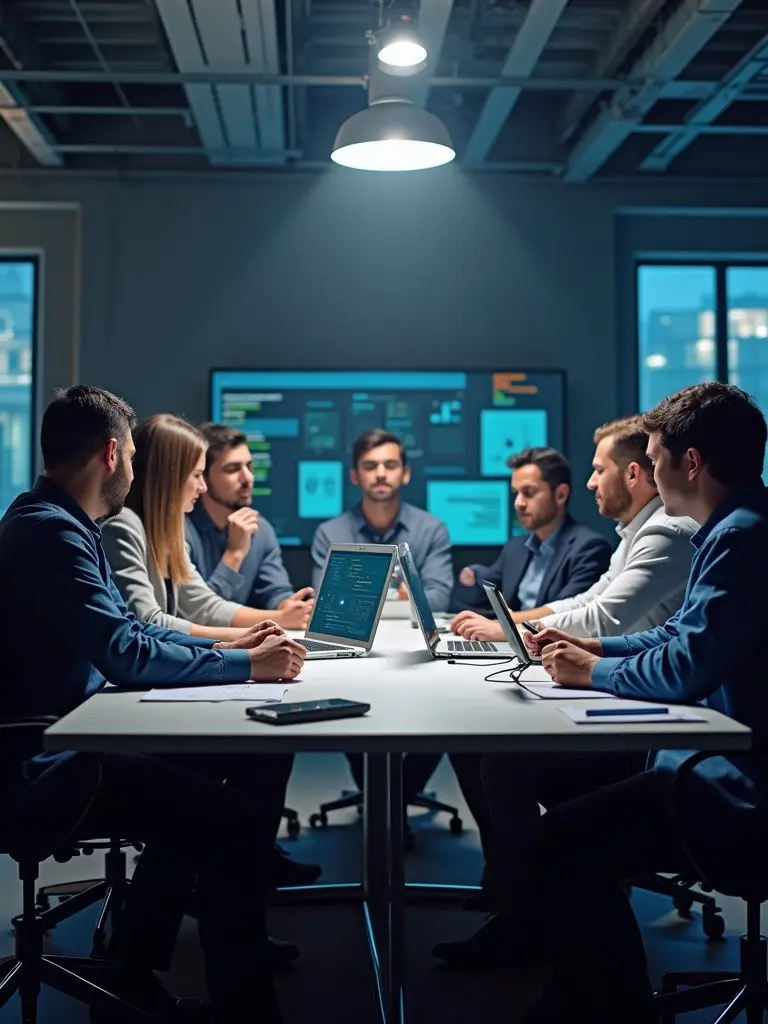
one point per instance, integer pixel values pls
(459, 429)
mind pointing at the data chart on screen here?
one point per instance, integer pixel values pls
(459, 430)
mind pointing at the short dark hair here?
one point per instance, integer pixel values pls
(220, 439)
(629, 441)
(552, 464)
(374, 439)
(78, 422)
(721, 421)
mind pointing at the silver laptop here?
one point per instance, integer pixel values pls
(503, 613)
(349, 601)
(438, 647)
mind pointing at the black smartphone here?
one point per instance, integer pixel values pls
(307, 711)
(531, 626)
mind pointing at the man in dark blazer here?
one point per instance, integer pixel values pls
(558, 558)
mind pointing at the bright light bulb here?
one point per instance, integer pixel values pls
(393, 155)
(402, 53)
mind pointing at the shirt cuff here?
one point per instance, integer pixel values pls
(236, 667)
(229, 583)
(614, 646)
(602, 674)
(548, 620)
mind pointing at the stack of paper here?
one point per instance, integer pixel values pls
(256, 693)
(623, 715)
(553, 691)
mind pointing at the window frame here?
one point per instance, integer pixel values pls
(32, 257)
(721, 267)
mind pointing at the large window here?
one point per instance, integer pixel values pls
(705, 321)
(18, 283)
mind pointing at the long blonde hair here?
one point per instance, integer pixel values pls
(167, 451)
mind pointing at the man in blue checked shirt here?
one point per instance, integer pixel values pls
(707, 444)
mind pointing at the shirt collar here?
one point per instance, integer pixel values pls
(626, 532)
(740, 496)
(47, 490)
(201, 519)
(547, 546)
(401, 519)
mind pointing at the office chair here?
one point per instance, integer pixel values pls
(30, 968)
(73, 897)
(745, 989)
(354, 798)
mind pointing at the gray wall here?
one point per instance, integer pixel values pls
(346, 270)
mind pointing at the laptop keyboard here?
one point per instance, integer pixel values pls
(475, 646)
(317, 645)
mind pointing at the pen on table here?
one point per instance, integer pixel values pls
(596, 712)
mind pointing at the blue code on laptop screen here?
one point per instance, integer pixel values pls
(350, 594)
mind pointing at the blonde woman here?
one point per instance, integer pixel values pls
(145, 547)
(145, 542)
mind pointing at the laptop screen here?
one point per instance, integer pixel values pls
(350, 593)
(416, 590)
(507, 623)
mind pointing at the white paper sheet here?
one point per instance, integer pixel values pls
(257, 693)
(581, 716)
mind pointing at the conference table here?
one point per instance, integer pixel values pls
(418, 704)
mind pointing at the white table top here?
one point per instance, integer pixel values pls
(417, 705)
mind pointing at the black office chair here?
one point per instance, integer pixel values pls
(745, 989)
(354, 798)
(72, 897)
(80, 978)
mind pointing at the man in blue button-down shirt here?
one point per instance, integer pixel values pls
(707, 444)
(380, 469)
(234, 549)
(65, 630)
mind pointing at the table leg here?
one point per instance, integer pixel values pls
(376, 872)
(396, 931)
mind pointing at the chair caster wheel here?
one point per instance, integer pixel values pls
(42, 903)
(293, 827)
(713, 924)
(682, 905)
(318, 820)
(456, 826)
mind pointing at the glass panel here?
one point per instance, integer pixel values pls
(17, 326)
(676, 329)
(747, 290)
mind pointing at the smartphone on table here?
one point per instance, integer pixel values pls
(307, 711)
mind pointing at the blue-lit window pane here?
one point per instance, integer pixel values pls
(17, 341)
(747, 290)
(676, 329)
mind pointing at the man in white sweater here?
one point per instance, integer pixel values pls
(645, 581)
(643, 587)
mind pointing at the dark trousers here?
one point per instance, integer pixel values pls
(417, 771)
(576, 907)
(503, 792)
(204, 834)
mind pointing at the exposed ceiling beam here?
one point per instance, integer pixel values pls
(638, 19)
(28, 127)
(208, 39)
(702, 116)
(523, 56)
(434, 16)
(689, 29)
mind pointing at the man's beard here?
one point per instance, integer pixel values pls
(390, 495)
(616, 503)
(233, 506)
(115, 491)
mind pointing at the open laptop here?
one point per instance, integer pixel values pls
(349, 601)
(437, 646)
(502, 612)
